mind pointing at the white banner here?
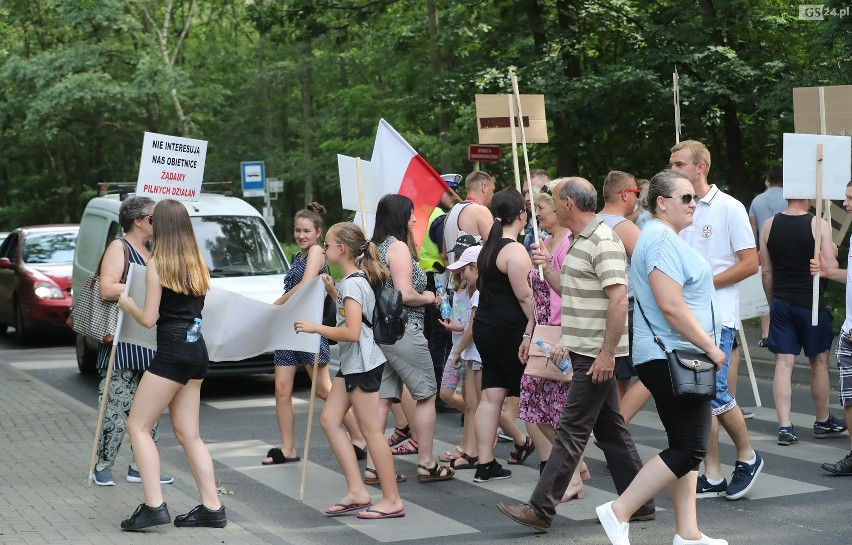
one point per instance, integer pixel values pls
(752, 297)
(236, 327)
(171, 167)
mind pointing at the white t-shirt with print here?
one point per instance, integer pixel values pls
(471, 352)
(719, 230)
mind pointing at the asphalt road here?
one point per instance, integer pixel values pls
(793, 503)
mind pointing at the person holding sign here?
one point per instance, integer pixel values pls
(722, 234)
(844, 343)
(786, 250)
(176, 282)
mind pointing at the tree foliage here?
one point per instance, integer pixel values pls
(295, 82)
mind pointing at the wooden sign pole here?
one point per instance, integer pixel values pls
(310, 423)
(517, 170)
(360, 195)
(676, 93)
(532, 218)
(817, 236)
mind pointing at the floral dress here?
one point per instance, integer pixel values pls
(541, 399)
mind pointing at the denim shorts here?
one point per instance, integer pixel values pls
(724, 401)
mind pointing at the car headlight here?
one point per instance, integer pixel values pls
(44, 290)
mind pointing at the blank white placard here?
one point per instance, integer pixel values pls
(349, 184)
(800, 165)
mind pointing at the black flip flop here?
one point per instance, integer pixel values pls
(278, 457)
(347, 508)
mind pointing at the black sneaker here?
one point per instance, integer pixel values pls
(830, 428)
(490, 472)
(706, 490)
(200, 516)
(843, 467)
(787, 436)
(145, 517)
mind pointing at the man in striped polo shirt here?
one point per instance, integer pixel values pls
(594, 333)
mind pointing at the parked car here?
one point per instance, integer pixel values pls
(3, 236)
(35, 279)
(235, 241)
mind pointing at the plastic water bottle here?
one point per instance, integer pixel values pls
(546, 349)
(193, 331)
(446, 309)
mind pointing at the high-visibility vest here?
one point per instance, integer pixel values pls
(429, 251)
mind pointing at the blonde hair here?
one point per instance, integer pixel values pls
(364, 252)
(614, 182)
(700, 153)
(179, 262)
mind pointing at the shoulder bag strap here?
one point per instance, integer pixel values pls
(125, 244)
(657, 339)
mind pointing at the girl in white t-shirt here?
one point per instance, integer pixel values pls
(464, 364)
(357, 383)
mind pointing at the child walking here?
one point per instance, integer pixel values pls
(464, 364)
(357, 382)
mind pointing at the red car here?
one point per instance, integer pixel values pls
(35, 279)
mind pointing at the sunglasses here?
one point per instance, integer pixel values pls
(629, 190)
(685, 199)
(546, 190)
(326, 244)
(150, 218)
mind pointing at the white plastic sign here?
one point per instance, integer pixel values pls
(800, 154)
(171, 167)
(349, 184)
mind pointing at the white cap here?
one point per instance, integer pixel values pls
(470, 255)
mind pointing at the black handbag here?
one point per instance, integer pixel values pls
(693, 374)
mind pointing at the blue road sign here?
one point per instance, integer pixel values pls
(254, 178)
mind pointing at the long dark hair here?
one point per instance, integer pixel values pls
(506, 206)
(392, 215)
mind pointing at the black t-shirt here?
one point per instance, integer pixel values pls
(175, 307)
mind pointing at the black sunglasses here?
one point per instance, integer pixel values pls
(150, 218)
(685, 199)
(546, 190)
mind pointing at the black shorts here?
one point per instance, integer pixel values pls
(177, 359)
(368, 381)
(498, 348)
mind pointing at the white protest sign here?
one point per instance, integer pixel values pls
(349, 184)
(171, 167)
(752, 297)
(800, 165)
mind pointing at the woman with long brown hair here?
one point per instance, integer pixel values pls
(176, 281)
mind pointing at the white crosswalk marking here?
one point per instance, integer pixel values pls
(325, 487)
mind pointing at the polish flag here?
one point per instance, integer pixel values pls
(400, 169)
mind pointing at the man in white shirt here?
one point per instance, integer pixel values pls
(721, 232)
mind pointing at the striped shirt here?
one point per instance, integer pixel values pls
(595, 260)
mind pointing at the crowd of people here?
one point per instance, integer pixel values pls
(672, 249)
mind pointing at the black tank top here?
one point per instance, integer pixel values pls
(175, 307)
(791, 248)
(498, 305)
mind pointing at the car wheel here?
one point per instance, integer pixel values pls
(86, 357)
(23, 331)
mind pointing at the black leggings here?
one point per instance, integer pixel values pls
(687, 421)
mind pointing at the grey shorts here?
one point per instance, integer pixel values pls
(410, 363)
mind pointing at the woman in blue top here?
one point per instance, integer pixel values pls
(674, 289)
(307, 264)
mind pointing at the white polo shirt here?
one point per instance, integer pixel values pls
(719, 230)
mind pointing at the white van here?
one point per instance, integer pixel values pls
(236, 242)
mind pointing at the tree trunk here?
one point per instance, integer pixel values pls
(438, 79)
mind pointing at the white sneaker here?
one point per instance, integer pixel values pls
(703, 541)
(616, 531)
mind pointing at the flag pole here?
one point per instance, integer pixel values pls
(310, 425)
(107, 380)
(532, 218)
(360, 194)
(517, 169)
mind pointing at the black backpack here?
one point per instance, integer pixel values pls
(389, 316)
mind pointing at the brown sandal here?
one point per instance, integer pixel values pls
(521, 453)
(436, 473)
(373, 481)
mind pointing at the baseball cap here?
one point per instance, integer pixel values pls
(468, 256)
(463, 242)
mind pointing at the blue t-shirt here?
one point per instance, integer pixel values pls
(659, 247)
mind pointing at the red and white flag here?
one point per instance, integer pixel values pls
(400, 169)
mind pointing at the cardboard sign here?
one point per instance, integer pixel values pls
(493, 124)
(800, 166)
(752, 297)
(171, 167)
(838, 110)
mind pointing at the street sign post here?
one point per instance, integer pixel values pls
(483, 154)
(254, 178)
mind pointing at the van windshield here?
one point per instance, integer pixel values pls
(238, 246)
